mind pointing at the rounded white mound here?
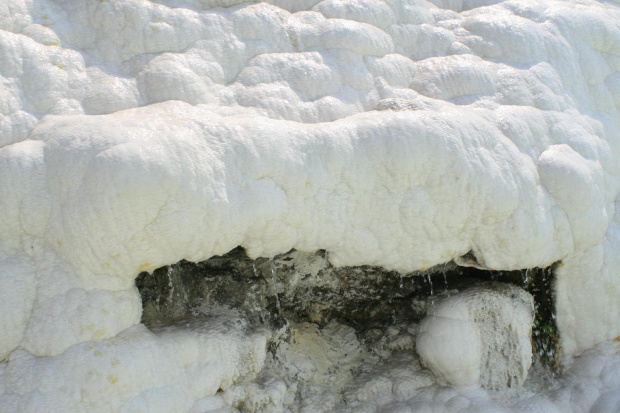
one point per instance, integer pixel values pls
(399, 133)
(480, 336)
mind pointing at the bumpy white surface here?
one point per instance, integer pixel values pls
(480, 336)
(136, 133)
(137, 370)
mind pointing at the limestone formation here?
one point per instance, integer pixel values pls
(480, 336)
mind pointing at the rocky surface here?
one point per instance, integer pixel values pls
(401, 134)
(366, 315)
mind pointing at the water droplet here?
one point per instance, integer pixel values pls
(275, 285)
(431, 283)
(525, 277)
(170, 276)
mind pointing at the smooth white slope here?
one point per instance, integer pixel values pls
(498, 134)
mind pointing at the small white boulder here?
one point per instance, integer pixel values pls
(480, 336)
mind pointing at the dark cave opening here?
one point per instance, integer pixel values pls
(305, 287)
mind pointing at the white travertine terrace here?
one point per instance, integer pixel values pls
(398, 133)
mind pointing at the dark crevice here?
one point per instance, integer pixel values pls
(305, 287)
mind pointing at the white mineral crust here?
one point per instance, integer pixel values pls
(136, 133)
(480, 336)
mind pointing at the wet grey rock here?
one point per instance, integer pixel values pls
(299, 287)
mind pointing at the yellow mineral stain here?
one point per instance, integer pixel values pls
(98, 334)
(116, 256)
(59, 243)
(106, 265)
(115, 363)
(617, 338)
(55, 42)
(112, 379)
(144, 266)
(98, 353)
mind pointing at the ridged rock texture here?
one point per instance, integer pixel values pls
(402, 134)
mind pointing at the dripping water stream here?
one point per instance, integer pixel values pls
(275, 285)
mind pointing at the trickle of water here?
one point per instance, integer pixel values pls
(401, 281)
(171, 293)
(445, 280)
(170, 276)
(255, 270)
(275, 285)
(430, 281)
(526, 276)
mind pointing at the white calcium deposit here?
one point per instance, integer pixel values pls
(397, 133)
(480, 336)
